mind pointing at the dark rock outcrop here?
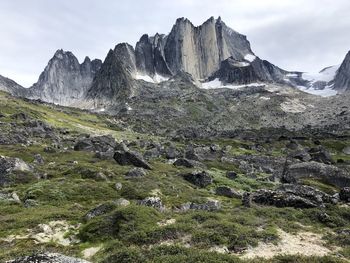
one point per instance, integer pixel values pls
(227, 191)
(344, 194)
(105, 143)
(328, 173)
(136, 172)
(200, 179)
(131, 158)
(288, 195)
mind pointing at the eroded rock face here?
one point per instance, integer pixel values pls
(47, 258)
(199, 50)
(64, 81)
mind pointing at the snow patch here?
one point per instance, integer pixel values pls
(146, 78)
(325, 75)
(241, 64)
(155, 79)
(250, 57)
(292, 75)
(217, 84)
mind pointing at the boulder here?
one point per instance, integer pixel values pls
(118, 186)
(231, 175)
(187, 163)
(136, 172)
(154, 202)
(301, 155)
(9, 197)
(287, 195)
(344, 194)
(328, 173)
(346, 150)
(8, 166)
(321, 155)
(122, 202)
(200, 179)
(103, 143)
(130, 158)
(228, 192)
(99, 210)
(47, 258)
(38, 159)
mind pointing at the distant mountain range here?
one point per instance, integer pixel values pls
(163, 76)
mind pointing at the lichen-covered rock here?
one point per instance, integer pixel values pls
(47, 258)
(136, 172)
(288, 195)
(154, 202)
(9, 166)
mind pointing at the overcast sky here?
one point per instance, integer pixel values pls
(305, 35)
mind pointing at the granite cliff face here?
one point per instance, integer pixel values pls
(200, 50)
(115, 80)
(342, 77)
(64, 81)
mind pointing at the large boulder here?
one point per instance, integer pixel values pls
(321, 155)
(9, 166)
(328, 173)
(136, 172)
(131, 158)
(99, 210)
(154, 202)
(47, 258)
(105, 143)
(346, 150)
(187, 163)
(287, 195)
(200, 179)
(227, 191)
(344, 194)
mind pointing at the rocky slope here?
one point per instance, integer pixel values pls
(81, 187)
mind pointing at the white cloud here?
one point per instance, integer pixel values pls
(293, 34)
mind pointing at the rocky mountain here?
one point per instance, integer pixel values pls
(64, 81)
(11, 86)
(342, 77)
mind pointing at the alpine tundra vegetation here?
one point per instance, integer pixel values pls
(187, 147)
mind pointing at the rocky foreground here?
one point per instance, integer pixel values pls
(80, 187)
